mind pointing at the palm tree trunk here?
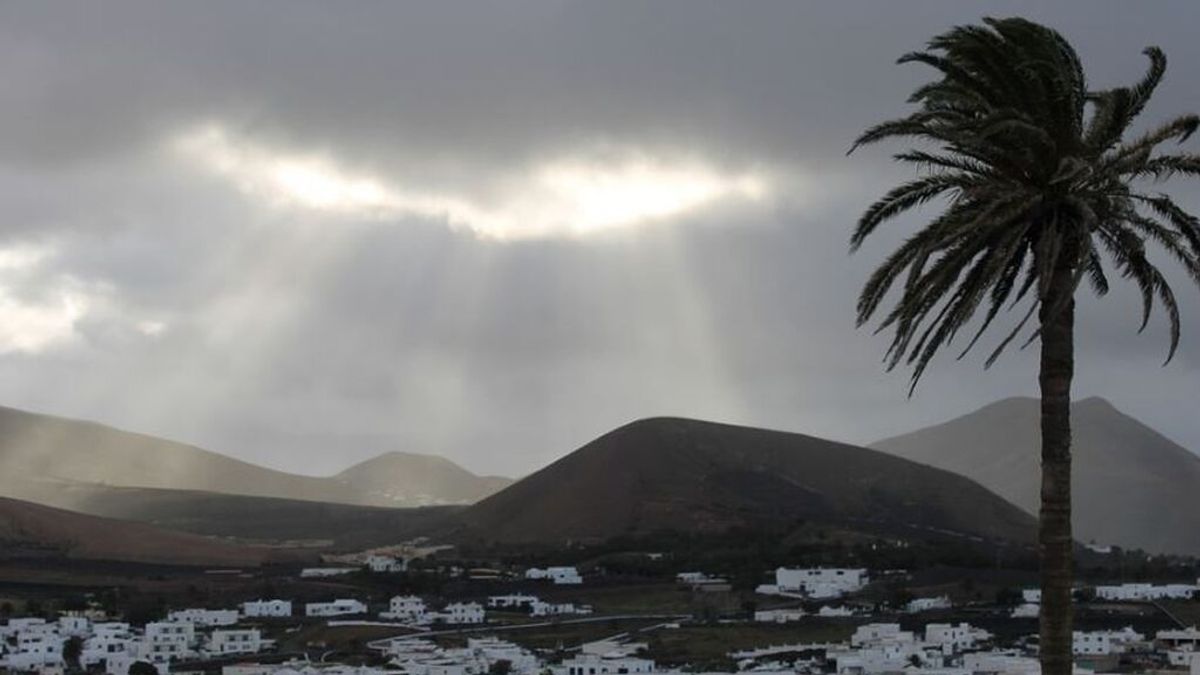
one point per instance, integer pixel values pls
(1054, 532)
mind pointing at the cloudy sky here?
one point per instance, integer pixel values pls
(306, 233)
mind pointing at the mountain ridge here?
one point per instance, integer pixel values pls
(36, 448)
(1132, 486)
(692, 475)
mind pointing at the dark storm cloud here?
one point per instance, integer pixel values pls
(309, 342)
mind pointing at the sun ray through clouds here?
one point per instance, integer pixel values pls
(561, 196)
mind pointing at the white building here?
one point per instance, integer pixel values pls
(406, 608)
(1001, 662)
(513, 601)
(1100, 643)
(595, 664)
(1026, 610)
(491, 650)
(267, 608)
(872, 634)
(1182, 645)
(340, 607)
(558, 575)
(383, 564)
(107, 640)
(820, 582)
(1032, 596)
(1180, 638)
(164, 641)
(320, 572)
(539, 608)
(954, 638)
(243, 641)
(462, 613)
(878, 659)
(1144, 592)
(927, 604)
(779, 615)
(205, 617)
(32, 646)
(416, 656)
(74, 626)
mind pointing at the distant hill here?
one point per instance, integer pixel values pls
(268, 520)
(39, 451)
(1132, 486)
(406, 479)
(33, 530)
(693, 476)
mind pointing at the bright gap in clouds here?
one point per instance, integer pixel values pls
(28, 326)
(32, 323)
(562, 197)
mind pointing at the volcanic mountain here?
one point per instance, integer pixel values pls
(693, 476)
(40, 454)
(1131, 486)
(29, 530)
(406, 479)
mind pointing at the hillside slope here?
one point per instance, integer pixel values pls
(268, 520)
(33, 530)
(37, 452)
(1132, 486)
(694, 476)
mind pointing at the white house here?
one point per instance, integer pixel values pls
(74, 626)
(954, 638)
(106, 641)
(1144, 592)
(340, 607)
(1000, 662)
(539, 608)
(1032, 596)
(871, 634)
(820, 582)
(513, 601)
(1099, 643)
(462, 613)
(119, 664)
(406, 608)
(1027, 610)
(164, 641)
(594, 664)
(1181, 645)
(267, 608)
(1180, 638)
(243, 641)
(415, 656)
(385, 564)
(205, 617)
(558, 575)
(491, 650)
(779, 615)
(927, 604)
(33, 646)
(877, 659)
(320, 572)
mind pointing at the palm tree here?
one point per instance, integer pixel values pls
(1042, 191)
